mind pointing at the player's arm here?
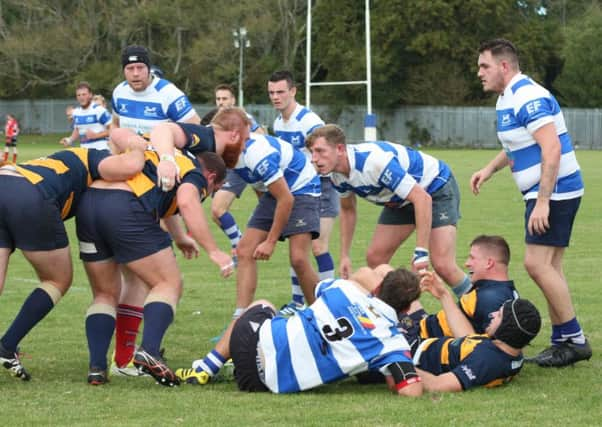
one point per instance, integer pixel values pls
(183, 241)
(122, 140)
(446, 382)
(402, 379)
(457, 321)
(284, 205)
(115, 122)
(121, 167)
(548, 141)
(478, 178)
(423, 215)
(189, 205)
(68, 140)
(347, 218)
(165, 138)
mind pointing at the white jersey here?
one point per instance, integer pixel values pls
(95, 118)
(297, 128)
(523, 108)
(265, 159)
(160, 102)
(346, 331)
(385, 173)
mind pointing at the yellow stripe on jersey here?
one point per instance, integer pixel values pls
(67, 206)
(498, 381)
(140, 183)
(32, 177)
(469, 303)
(445, 351)
(82, 155)
(56, 165)
(173, 207)
(442, 319)
(469, 344)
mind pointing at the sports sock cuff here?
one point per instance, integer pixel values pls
(461, 288)
(130, 310)
(226, 221)
(238, 312)
(159, 298)
(101, 309)
(54, 294)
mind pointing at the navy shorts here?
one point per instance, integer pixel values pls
(446, 208)
(243, 347)
(28, 220)
(562, 216)
(234, 183)
(304, 216)
(11, 142)
(113, 224)
(329, 199)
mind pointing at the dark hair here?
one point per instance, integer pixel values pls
(206, 119)
(399, 289)
(84, 85)
(214, 164)
(283, 75)
(495, 244)
(225, 86)
(333, 134)
(500, 48)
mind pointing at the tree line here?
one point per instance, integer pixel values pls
(423, 52)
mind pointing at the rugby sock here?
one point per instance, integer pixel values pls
(568, 331)
(230, 228)
(5, 155)
(127, 326)
(325, 266)
(296, 290)
(157, 318)
(211, 363)
(15, 158)
(37, 305)
(238, 311)
(100, 324)
(462, 287)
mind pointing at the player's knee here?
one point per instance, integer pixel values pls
(217, 210)
(299, 261)
(374, 258)
(318, 247)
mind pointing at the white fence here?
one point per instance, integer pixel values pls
(437, 125)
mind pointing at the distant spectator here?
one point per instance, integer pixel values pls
(11, 131)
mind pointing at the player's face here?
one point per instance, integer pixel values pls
(491, 72)
(137, 76)
(84, 97)
(281, 96)
(478, 263)
(496, 319)
(224, 98)
(324, 156)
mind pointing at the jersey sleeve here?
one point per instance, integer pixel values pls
(389, 173)
(94, 159)
(264, 163)
(103, 116)
(179, 108)
(196, 178)
(534, 108)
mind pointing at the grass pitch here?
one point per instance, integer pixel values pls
(56, 351)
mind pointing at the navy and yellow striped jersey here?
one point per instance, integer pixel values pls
(64, 175)
(164, 203)
(485, 297)
(475, 360)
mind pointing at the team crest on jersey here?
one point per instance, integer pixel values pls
(123, 108)
(195, 140)
(150, 111)
(362, 317)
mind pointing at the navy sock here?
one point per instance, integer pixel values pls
(37, 305)
(99, 331)
(157, 318)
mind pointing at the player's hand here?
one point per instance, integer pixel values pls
(65, 142)
(90, 134)
(167, 173)
(264, 250)
(223, 261)
(539, 221)
(432, 283)
(477, 179)
(188, 246)
(345, 268)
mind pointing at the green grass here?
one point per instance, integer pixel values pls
(58, 393)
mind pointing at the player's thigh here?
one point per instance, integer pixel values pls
(133, 289)
(250, 239)
(320, 245)
(442, 244)
(221, 202)
(4, 257)
(105, 281)
(52, 266)
(158, 269)
(387, 238)
(299, 246)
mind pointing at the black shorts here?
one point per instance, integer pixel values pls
(11, 141)
(28, 220)
(114, 224)
(561, 219)
(243, 347)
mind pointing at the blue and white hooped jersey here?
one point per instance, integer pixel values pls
(522, 109)
(95, 118)
(385, 173)
(302, 122)
(265, 159)
(346, 331)
(160, 102)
